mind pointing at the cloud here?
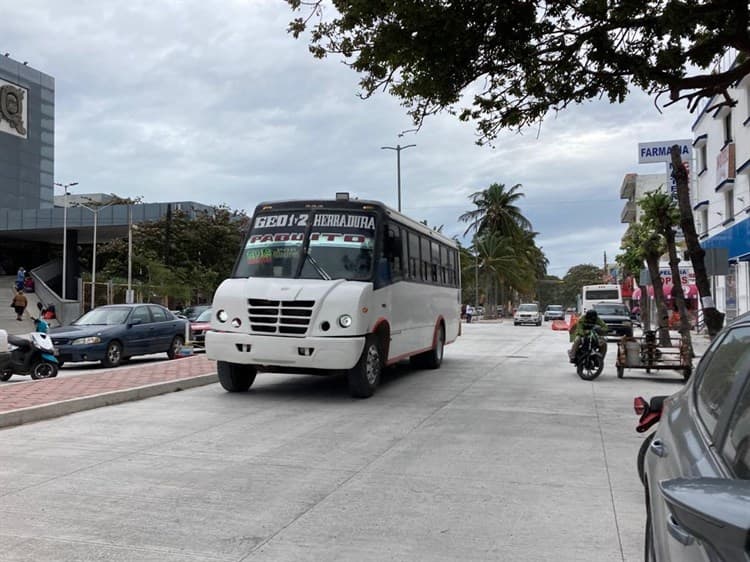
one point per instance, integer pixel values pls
(181, 100)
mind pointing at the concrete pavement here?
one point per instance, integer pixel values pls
(503, 454)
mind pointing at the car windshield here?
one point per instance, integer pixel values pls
(611, 310)
(204, 316)
(103, 316)
(527, 308)
(341, 245)
(554, 307)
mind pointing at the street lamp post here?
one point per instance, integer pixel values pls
(95, 212)
(65, 187)
(398, 148)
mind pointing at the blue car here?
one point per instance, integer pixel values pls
(115, 333)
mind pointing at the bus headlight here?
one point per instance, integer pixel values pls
(222, 316)
(345, 320)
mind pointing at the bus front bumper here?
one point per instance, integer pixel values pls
(310, 353)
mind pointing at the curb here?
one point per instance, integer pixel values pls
(65, 407)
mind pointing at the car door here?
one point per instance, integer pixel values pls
(691, 428)
(164, 328)
(138, 334)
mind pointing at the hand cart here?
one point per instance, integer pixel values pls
(647, 353)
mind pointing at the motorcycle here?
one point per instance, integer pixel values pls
(650, 413)
(32, 355)
(588, 359)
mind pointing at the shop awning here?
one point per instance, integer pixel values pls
(690, 292)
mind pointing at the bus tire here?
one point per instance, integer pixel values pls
(433, 358)
(364, 377)
(234, 377)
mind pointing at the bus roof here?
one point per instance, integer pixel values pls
(361, 204)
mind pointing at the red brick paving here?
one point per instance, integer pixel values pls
(14, 396)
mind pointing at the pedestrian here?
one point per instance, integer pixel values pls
(469, 313)
(20, 278)
(19, 303)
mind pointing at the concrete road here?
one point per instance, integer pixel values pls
(502, 454)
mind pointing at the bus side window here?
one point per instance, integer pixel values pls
(393, 252)
(425, 259)
(413, 256)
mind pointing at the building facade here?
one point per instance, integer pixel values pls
(27, 134)
(721, 193)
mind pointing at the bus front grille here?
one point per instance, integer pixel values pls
(290, 318)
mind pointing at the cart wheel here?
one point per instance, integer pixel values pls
(620, 372)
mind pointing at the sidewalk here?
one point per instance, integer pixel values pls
(25, 402)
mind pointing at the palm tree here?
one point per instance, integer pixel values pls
(496, 211)
(661, 214)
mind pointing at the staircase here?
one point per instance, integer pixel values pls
(8, 320)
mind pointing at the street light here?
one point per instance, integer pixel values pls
(398, 148)
(95, 211)
(65, 187)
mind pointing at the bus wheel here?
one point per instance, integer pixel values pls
(235, 378)
(433, 358)
(364, 377)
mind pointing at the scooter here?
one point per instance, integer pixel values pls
(32, 354)
(588, 360)
(650, 413)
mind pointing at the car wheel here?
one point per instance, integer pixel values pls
(175, 346)
(43, 370)
(113, 355)
(234, 377)
(641, 461)
(364, 377)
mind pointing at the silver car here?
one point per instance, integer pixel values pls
(696, 466)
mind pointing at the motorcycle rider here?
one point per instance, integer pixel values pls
(584, 326)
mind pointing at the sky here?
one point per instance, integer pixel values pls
(215, 102)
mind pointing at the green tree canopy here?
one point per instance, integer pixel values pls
(578, 276)
(518, 59)
(183, 253)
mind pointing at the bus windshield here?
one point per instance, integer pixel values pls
(340, 245)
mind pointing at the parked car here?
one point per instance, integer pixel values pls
(192, 312)
(528, 313)
(199, 327)
(696, 466)
(554, 312)
(115, 333)
(616, 317)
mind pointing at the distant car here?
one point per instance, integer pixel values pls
(192, 312)
(554, 312)
(114, 333)
(199, 327)
(528, 313)
(616, 317)
(696, 466)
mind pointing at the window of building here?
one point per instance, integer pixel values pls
(728, 127)
(702, 159)
(704, 220)
(729, 204)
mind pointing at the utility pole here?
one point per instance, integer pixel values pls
(398, 148)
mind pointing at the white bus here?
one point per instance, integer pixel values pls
(594, 294)
(332, 286)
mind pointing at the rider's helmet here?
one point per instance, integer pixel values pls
(591, 316)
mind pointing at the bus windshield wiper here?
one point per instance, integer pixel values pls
(318, 268)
